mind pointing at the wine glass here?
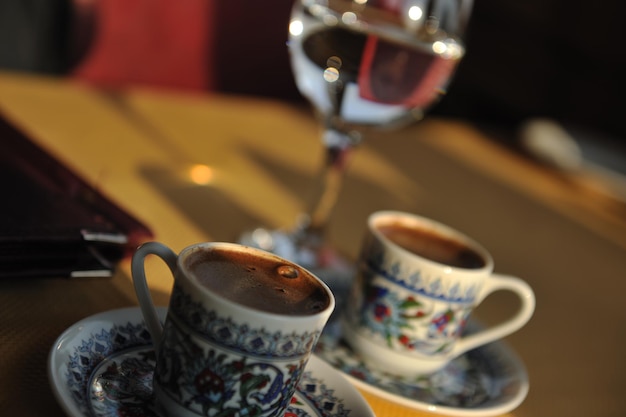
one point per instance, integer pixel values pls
(362, 64)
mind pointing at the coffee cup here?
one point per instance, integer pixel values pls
(239, 330)
(417, 282)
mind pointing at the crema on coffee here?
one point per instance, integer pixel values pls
(263, 283)
(432, 245)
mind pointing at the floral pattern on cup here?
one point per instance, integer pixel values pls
(244, 368)
(240, 337)
(416, 280)
(482, 381)
(110, 372)
(125, 389)
(399, 317)
(213, 382)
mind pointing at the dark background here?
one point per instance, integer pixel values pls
(525, 58)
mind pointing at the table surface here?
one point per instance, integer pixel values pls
(563, 235)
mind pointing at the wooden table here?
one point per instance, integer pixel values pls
(562, 235)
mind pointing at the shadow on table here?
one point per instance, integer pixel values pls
(209, 208)
(218, 214)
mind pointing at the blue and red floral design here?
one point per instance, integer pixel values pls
(110, 373)
(406, 309)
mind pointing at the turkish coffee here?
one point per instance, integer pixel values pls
(261, 282)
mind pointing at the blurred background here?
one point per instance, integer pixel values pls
(561, 59)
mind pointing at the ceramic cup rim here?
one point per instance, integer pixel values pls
(206, 293)
(424, 223)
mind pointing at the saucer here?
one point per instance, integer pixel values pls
(489, 380)
(103, 366)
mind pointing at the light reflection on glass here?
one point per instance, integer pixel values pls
(349, 18)
(330, 20)
(439, 47)
(334, 61)
(317, 10)
(296, 27)
(448, 49)
(331, 74)
(454, 50)
(415, 13)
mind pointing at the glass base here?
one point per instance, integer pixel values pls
(320, 259)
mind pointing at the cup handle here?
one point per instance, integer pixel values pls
(141, 285)
(497, 282)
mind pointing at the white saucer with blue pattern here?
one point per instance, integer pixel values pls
(103, 366)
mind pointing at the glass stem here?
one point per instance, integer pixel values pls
(338, 148)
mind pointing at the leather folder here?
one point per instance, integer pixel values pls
(52, 222)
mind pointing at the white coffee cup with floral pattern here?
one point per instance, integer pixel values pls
(240, 328)
(417, 282)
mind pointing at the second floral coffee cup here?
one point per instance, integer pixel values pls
(239, 331)
(417, 282)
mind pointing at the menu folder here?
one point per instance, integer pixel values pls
(52, 223)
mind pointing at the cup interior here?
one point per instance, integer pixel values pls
(429, 240)
(255, 279)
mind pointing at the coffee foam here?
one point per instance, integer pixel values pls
(264, 283)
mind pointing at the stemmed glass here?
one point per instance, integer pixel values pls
(362, 64)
